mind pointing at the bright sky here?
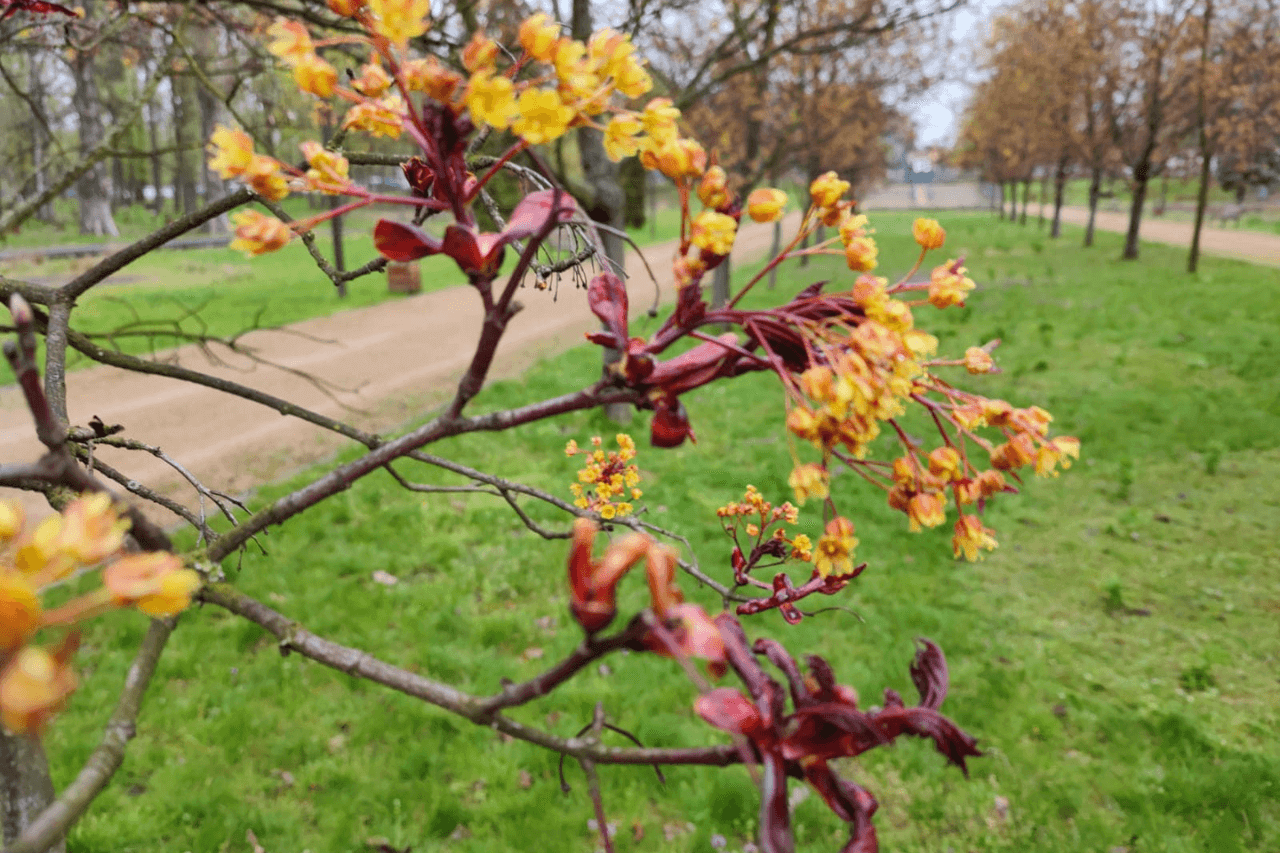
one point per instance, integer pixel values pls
(937, 112)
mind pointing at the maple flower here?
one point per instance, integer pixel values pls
(977, 360)
(315, 76)
(12, 519)
(20, 610)
(834, 554)
(925, 510)
(630, 78)
(345, 8)
(1056, 453)
(155, 583)
(620, 137)
(380, 118)
(802, 548)
(290, 41)
(970, 536)
(400, 20)
(659, 118)
(543, 116)
(91, 529)
(714, 232)
(766, 204)
(230, 151)
(257, 234)
(372, 81)
(713, 189)
(328, 172)
(491, 100)
(827, 189)
(948, 285)
(265, 178)
(480, 54)
(928, 233)
(431, 76)
(945, 463)
(538, 37)
(809, 481)
(33, 687)
(861, 253)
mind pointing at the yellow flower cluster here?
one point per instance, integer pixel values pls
(35, 682)
(754, 516)
(608, 482)
(231, 155)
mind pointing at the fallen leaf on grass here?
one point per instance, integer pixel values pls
(385, 578)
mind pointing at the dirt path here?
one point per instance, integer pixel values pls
(1252, 246)
(380, 367)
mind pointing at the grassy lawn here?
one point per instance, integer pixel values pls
(1116, 656)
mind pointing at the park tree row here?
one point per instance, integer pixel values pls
(1133, 90)
(114, 108)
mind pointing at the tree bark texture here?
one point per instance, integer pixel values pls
(94, 189)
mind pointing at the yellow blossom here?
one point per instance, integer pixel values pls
(257, 234)
(766, 204)
(970, 537)
(315, 76)
(809, 481)
(948, 285)
(538, 37)
(265, 178)
(925, 510)
(802, 548)
(91, 529)
(345, 8)
(155, 583)
(328, 172)
(945, 463)
(12, 520)
(543, 116)
(400, 20)
(928, 233)
(290, 41)
(854, 227)
(713, 189)
(659, 119)
(834, 554)
(19, 610)
(620, 137)
(33, 687)
(978, 360)
(379, 118)
(480, 54)
(714, 232)
(827, 189)
(1056, 453)
(631, 79)
(860, 254)
(230, 151)
(431, 76)
(491, 100)
(372, 81)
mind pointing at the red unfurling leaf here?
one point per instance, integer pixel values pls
(695, 367)
(929, 674)
(38, 7)
(536, 211)
(728, 710)
(928, 723)
(690, 632)
(670, 426)
(607, 298)
(399, 242)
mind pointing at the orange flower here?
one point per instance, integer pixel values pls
(809, 481)
(290, 41)
(945, 463)
(834, 554)
(230, 151)
(345, 8)
(257, 234)
(714, 232)
(34, 686)
(372, 81)
(400, 20)
(538, 37)
(827, 189)
(928, 233)
(978, 360)
(315, 76)
(382, 118)
(20, 611)
(430, 76)
(860, 254)
(328, 172)
(91, 529)
(264, 176)
(713, 189)
(925, 510)
(948, 285)
(543, 116)
(480, 54)
(970, 536)
(766, 204)
(155, 583)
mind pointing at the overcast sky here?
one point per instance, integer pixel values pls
(937, 113)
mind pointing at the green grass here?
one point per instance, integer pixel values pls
(1116, 655)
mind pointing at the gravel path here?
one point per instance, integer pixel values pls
(376, 367)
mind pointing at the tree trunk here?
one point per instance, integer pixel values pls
(184, 185)
(608, 200)
(1044, 192)
(157, 180)
(1206, 152)
(213, 185)
(27, 788)
(1003, 200)
(1026, 200)
(1059, 189)
(773, 253)
(94, 189)
(39, 128)
(720, 285)
(1141, 177)
(1095, 188)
